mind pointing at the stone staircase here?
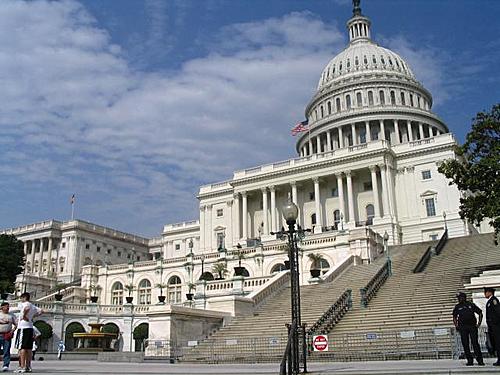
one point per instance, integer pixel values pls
(261, 337)
(411, 309)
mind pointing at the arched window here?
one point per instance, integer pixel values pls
(356, 61)
(382, 59)
(322, 111)
(278, 268)
(374, 59)
(348, 63)
(348, 101)
(365, 60)
(337, 104)
(370, 214)
(403, 102)
(313, 219)
(411, 100)
(359, 100)
(370, 97)
(393, 98)
(117, 293)
(144, 292)
(382, 97)
(329, 108)
(244, 272)
(174, 290)
(69, 340)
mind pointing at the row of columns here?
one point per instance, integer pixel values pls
(332, 140)
(39, 244)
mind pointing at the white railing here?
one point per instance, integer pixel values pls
(274, 285)
(47, 224)
(217, 287)
(335, 272)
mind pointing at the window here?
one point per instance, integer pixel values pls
(382, 97)
(98, 249)
(359, 101)
(356, 61)
(329, 108)
(117, 293)
(335, 192)
(426, 175)
(367, 186)
(220, 212)
(174, 290)
(403, 98)
(311, 195)
(109, 251)
(370, 214)
(221, 240)
(374, 59)
(313, 219)
(430, 207)
(365, 60)
(119, 253)
(411, 100)
(336, 219)
(433, 237)
(63, 245)
(322, 111)
(128, 256)
(278, 268)
(348, 101)
(87, 246)
(348, 63)
(393, 98)
(382, 59)
(138, 259)
(370, 97)
(144, 292)
(337, 104)
(177, 246)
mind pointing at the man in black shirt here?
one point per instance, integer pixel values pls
(464, 318)
(493, 320)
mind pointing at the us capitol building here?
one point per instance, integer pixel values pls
(366, 166)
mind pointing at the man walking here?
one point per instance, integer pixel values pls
(464, 318)
(493, 320)
(7, 327)
(24, 337)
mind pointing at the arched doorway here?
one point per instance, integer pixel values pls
(278, 268)
(44, 340)
(113, 328)
(141, 334)
(69, 340)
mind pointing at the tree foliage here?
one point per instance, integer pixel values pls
(45, 329)
(11, 261)
(476, 171)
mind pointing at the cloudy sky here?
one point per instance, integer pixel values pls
(132, 105)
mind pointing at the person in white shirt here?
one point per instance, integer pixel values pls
(24, 337)
(7, 327)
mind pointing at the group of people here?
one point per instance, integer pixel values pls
(464, 318)
(25, 336)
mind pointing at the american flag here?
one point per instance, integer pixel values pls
(72, 200)
(300, 127)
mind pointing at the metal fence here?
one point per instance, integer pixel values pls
(432, 343)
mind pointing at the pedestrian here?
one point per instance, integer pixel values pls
(24, 336)
(493, 320)
(7, 328)
(464, 318)
(60, 349)
(36, 335)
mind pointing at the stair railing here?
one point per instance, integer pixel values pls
(369, 291)
(287, 355)
(431, 250)
(333, 315)
(442, 242)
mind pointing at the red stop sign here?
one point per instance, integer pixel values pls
(320, 343)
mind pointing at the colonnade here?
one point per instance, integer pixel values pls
(34, 251)
(395, 131)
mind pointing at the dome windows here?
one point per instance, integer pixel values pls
(356, 61)
(411, 100)
(390, 62)
(348, 101)
(382, 59)
(370, 98)
(359, 101)
(393, 98)
(340, 67)
(403, 102)
(322, 111)
(329, 105)
(374, 59)
(365, 60)
(337, 104)
(348, 63)
(382, 97)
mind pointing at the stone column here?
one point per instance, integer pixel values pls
(274, 227)
(341, 137)
(376, 204)
(409, 130)
(40, 258)
(350, 197)
(367, 130)
(318, 144)
(229, 224)
(385, 191)
(353, 132)
(421, 130)
(245, 214)
(328, 141)
(236, 218)
(295, 198)
(49, 268)
(382, 129)
(202, 229)
(265, 210)
(317, 201)
(392, 193)
(310, 146)
(32, 246)
(396, 128)
(340, 187)
(212, 241)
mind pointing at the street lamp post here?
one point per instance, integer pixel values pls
(202, 258)
(444, 218)
(387, 253)
(202, 277)
(290, 214)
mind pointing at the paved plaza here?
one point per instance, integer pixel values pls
(387, 367)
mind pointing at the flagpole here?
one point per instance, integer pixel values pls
(72, 210)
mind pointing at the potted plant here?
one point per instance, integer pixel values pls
(220, 268)
(161, 297)
(94, 291)
(59, 296)
(316, 264)
(190, 295)
(239, 254)
(130, 288)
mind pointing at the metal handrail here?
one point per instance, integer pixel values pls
(422, 263)
(442, 242)
(332, 316)
(369, 291)
(287, 354)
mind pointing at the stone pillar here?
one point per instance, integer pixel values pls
(49, 268)
(382, 129)
(274, 223)
(310, 146)
(295, 198)
(367, 130)
(229, 224)
(376, 204)
(340, 187)
(385, 191)
(202, 229)
(318, 144)
(210, 234)
(236, 218)
(245, 215)
(40, 257)
(265, 209)
(317, 201)
(341, 137)
(396, 128)
(353, 132)
(409, 130)
(392, 193)
(350, 197)
(32, 246)
(328, 141)
(420, 130)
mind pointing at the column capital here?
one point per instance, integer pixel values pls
(382, 166)
(264, 190)
(244, 194)
(349, 173)
(236, 196)
(293, 183)
(202, 207)
(272, 188)
(373, 168)
(316, 180)
(229, 203)
(339, 174)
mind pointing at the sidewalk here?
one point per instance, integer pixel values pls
(349, 368)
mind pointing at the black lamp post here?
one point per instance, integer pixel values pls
(202, 258)
(387, 253)
(290, 214)
(444, 218)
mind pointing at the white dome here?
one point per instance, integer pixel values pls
(361, 58)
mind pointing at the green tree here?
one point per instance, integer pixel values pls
(11, 261)
(476, 171)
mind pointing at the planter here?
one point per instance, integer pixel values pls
(287, 264)
(129, 299)
(189, 296)
(94, 299)
(58, 297)
(315, 273)
(239, 271)
(161, 299)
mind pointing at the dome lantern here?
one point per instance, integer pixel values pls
(358, 25)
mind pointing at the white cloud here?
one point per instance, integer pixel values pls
(78, 117)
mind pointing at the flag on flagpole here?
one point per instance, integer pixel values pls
(300, 127)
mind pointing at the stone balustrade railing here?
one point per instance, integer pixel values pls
(334, 272)
(270, 288)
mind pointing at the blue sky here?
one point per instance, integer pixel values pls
(132, 105)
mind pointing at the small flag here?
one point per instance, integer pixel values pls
(300, 127)
(72, 200)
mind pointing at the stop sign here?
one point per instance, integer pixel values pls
(320, 343)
